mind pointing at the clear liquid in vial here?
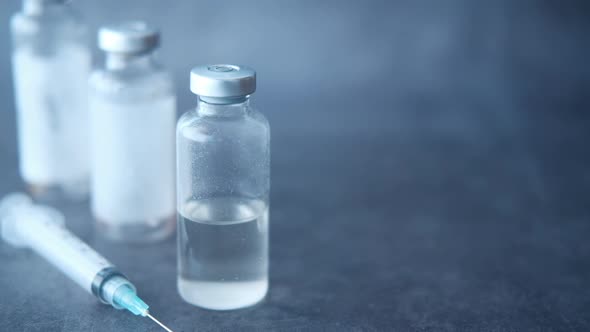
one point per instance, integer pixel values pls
(223, 252)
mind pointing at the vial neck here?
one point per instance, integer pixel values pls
(38, 7)
(118, 61)
(206, 108)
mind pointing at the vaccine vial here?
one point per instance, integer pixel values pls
(223, 181)
(51, 64)
(133, 118)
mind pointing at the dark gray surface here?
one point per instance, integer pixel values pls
(431, 169)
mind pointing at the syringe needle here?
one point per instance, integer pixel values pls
(158, 322)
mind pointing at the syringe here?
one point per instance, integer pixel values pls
(41, 228)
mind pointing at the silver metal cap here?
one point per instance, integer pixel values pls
(223, 81)
(130, 37)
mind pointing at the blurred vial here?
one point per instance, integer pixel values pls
(133, 116)
(223, 154)
(51, 63)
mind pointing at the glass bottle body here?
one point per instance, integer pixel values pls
(133, 115)
(223, 156)
(51, 64)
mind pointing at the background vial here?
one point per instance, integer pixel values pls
(51, 64)
(223, 184)
(133, 117)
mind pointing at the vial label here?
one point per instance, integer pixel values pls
(133, 160)
(51, 99)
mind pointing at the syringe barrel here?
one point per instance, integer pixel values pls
(41, 229)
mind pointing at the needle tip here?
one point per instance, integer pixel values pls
(158, 322)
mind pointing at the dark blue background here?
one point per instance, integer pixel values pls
(431, 168)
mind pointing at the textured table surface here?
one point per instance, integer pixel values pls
(479, 229)
(442, 186)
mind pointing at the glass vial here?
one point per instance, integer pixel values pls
(223, 181)
(133, 117)
(51, 64)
